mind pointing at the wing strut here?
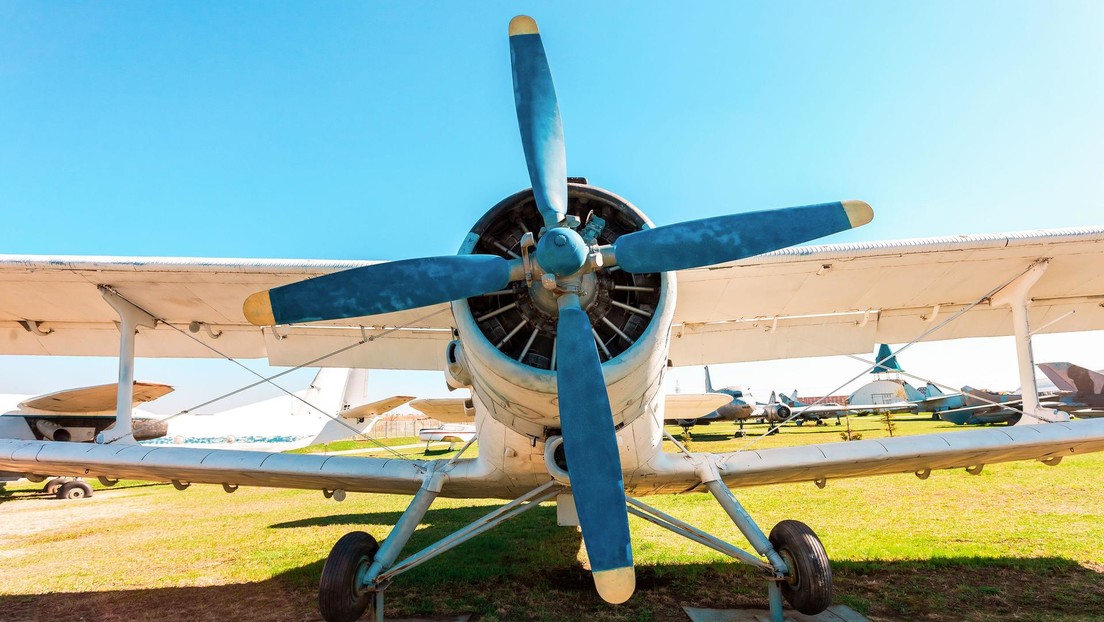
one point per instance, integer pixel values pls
(1015, 295)
(130, 318)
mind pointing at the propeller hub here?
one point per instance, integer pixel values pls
(561, 251)
(545, 300)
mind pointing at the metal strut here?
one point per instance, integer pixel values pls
(777, 567)
(1015, 295)
(130, 318)
(381, 573)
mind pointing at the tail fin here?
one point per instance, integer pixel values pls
(911, 393)
(790, 400)
(887, 361)
(773, 398)
(708, 381)
(932, 391)
(1070, 377)
(335, 390)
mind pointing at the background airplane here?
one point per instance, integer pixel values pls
(333, 407)
(1080, 392)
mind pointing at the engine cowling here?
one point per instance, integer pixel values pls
(776, 412)
(507, 338)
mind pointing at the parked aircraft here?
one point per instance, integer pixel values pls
(78, 415)
(564, 338)
(75, 415)
(1081, 390)
(333, 407)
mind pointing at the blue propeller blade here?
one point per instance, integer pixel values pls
(593, 462)
(710, 241)
(539, 120)
(381, 288)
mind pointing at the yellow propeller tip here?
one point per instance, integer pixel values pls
(858, 212)
(615, 586)
(523, 25)
(258, 309)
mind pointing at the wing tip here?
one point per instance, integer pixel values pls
(258, 309)
(523, 25)
(858, 212)
(615, 585)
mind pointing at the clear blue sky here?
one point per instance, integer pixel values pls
(383, 131)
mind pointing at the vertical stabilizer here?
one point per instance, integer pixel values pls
(1070, 377)
(708, 381)
(931, 390)
(336, 390)
(887, 361)
(773, 398)
(912, 394)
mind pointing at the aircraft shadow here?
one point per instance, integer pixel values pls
(531, 586)
(529, 569)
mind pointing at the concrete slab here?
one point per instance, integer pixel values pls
(835, 613)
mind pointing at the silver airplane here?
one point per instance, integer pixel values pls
(561, 313)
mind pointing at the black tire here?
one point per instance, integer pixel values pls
(339, 599)
(74, 490)
(808, 587)
(53, 485)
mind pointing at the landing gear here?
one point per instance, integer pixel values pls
(808, 586)
(342, 596)
(793, 558)
(53, 485)
(358, 569)
(75, 489)
(740, 433)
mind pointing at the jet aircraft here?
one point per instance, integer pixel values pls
(559, 313)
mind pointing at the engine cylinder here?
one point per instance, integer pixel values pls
(509, 335)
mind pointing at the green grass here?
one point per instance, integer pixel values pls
(1020, 541)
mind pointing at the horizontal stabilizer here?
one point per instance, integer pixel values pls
(93, 400)
(445, 409)
(371, 409)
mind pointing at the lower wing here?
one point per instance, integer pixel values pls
(904, 454)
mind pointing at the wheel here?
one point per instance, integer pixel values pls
(52, 486)
(340, 599)
(75, 489)
(808, 587)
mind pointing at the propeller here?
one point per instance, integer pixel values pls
(586, 419)
(539, 120)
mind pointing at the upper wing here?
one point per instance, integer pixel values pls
(904, 454)
(52, 305)
(845, 298)
(692, 405)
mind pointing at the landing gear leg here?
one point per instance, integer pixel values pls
(740, 433)
(361, 572)
(798, 561)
